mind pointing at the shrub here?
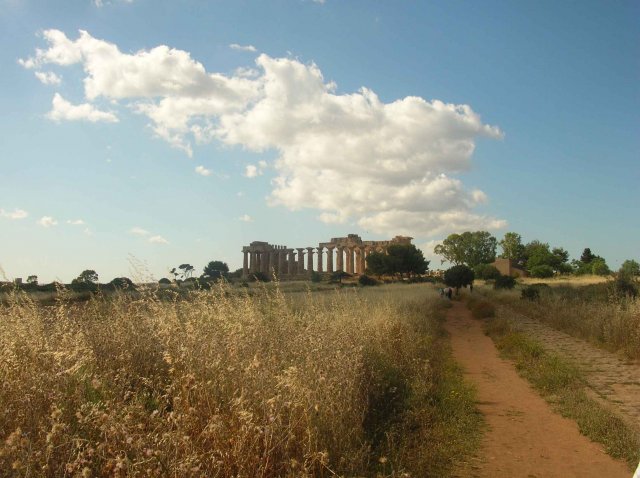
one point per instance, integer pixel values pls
(543, 271)
(164, 281)
(599, 267)
(365, 280)
(259, 277)
(483, 309)
(504, 282)
(530, 293)
(486, 272)
(458, 276)
(625, 286)
(316, 276)
(122, 283)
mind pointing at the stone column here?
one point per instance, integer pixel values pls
(358, 261)
(365, 252)
(340, 259)
(309, 260)
(252, 266)
(300, 260)
(330, 259)
(292, 262)
(270, 263)
(349, 260)
(245, 264)
(320, 268)
(282, 263)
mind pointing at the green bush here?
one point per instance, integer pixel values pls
(599, 267)
(122, 283)
(486, 272)
(365, 280)
(504, 282)
(530, 293)
(542, 272)
(316, 276)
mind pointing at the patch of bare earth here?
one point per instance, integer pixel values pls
(614, 381)
(524, 438)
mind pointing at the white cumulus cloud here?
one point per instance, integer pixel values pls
(391, 167)
(63, 110)
(246, 218)
(158, 240)
(47, 221)
(235, 46)
(15, 214)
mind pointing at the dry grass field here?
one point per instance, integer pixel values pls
(227, 383)
(583, 308)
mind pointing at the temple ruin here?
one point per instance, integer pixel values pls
(347, 254)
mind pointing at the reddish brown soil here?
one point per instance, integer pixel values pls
(525, 438)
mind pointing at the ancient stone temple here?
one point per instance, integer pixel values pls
(346, 254)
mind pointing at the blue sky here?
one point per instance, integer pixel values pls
(311, 120)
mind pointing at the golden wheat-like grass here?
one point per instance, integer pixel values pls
(221, 384)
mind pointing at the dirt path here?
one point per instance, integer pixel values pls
(615, 381)
(524, 437)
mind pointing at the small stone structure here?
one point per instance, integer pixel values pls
(507, 268)
(346, 254)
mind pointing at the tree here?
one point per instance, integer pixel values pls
(187, 270)
(629, 268)
(512, 247)
(122, 283)
(458, 276)
(164, 281)
(406, 259)
(542, 271)
(537, 254)
(591, 263)
(86, 277)
(599, 267)
(376, 263)
(486, 272)
(587, 256)
(32, 280)
(470, 248)
(400, 259)
(215, 269)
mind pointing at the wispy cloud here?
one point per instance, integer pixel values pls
(235, 46)
(246, 218)
(138, 231)
(202, 171)
(15, 214)
(75, 222)
(48, 78)
(47, 221)
(158, 240)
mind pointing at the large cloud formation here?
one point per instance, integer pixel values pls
(386, 166)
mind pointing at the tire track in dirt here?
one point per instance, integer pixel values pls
(525, 438)
(615, 381)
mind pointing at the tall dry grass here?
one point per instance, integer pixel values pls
(227, 384)
(593, 313)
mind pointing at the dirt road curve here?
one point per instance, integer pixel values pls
(524, 437)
